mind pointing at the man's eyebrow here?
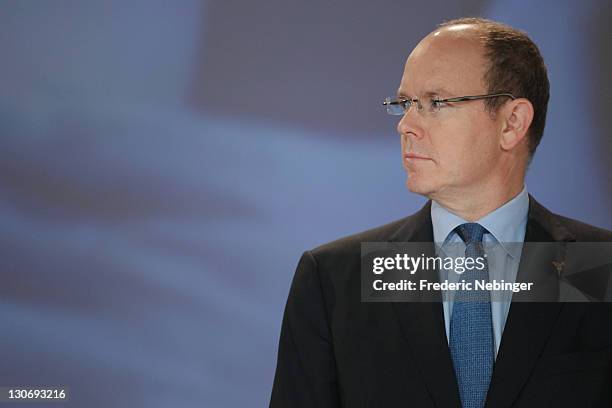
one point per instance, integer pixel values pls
(433, 92)
(400, 94)
(436, 91)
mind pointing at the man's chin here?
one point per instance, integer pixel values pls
(419, 186)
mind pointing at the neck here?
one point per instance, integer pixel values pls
(473, 204)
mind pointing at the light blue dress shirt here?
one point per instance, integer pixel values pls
(506, 226)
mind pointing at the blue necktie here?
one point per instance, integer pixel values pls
(471, 329)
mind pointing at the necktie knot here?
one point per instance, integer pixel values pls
(471, 232)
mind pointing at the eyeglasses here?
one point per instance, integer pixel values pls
(431, 105)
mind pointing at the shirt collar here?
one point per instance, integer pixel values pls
(506, 224)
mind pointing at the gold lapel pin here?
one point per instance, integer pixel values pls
(558, 266)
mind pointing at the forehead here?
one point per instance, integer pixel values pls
(445, 61)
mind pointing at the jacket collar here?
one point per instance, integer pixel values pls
(542, 226)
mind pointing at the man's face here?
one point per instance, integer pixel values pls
(451, 152)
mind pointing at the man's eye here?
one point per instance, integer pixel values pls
(403, 103)
(436, 103)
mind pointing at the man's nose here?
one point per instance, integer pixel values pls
(410, 123)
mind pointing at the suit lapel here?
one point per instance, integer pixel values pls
(422, 323)
(528, 325)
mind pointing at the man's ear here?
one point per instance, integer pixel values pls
(517, 116)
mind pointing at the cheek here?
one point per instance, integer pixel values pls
(452, 144)
(461, 150)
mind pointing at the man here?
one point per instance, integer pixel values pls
(473, 100)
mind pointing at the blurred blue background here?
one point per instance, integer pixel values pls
(164, 164)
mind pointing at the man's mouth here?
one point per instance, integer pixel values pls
(414, 156)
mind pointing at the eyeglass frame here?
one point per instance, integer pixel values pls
(387, 101)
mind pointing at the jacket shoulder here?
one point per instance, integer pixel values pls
(562, 228)
(584, 232)
(352, 243)
(415, 226)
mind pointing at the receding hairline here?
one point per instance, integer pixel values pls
(480, 28)
(461, 31)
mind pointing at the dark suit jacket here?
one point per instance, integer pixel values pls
(336, 351)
